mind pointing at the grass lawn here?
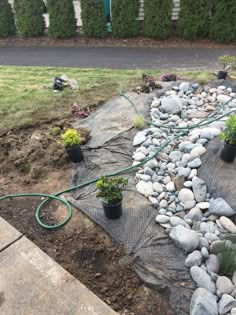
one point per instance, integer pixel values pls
(23, 101)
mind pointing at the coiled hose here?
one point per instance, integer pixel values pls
(203, 122)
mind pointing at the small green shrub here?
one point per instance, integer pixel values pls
(7, 22)
(194, 19)
(223, 26)
(29, 18)
(62, 20)
(228, 60)
(229, 134)
(203, 77)
(125, 18)
(138, 122)
(157, 18)
(93, 18)
(110, 189)
(71, 138)
(228, 259)
(55, 131)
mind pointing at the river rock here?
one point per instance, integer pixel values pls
(195, 214)
(148, 171)
(228, 225)
(162, 219)
(213, 264)
(185, 195)
(172, 104)
(203, 302)
(151, 164)
(220, 207)
(198, 151)
(226, 303)
(205, 253)
(202, 279)
(175, 156)
(139, 138)
(157, 187)
(216, 247)
(144, 188)
(184, 171)
(184, 86)
(170, 187)
(175, 221)
(186, 239)
(199, 189)
(193, 259)
(224, 285)
(195, 163)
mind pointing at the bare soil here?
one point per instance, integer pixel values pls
(140, 41)
(32, 160)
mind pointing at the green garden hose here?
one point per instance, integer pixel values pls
(186, 130)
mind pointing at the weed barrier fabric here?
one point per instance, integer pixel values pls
(159, 263)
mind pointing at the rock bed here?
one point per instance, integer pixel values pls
(194, 221)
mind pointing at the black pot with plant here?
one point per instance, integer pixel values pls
(228, 152)
(110, 194)
(71, 141)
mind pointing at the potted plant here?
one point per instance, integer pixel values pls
(71, 141)
(229, 62)
(110, 193)
(228, 152)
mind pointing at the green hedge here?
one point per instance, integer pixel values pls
(62, 20)
(157, 18)
(125, 18)
(7, 22)
(194, 19)
(29, 18)
(223, 23)
(93, 18)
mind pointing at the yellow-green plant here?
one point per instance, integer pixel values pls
(229, 134)
(71, 138)
(228, 60)
(228, 259)
(138, 122)
(203, 77)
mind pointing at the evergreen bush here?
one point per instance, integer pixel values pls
(93, 18)
(125, 18)
(7, 22)
(157, 18)
(29, 17)
(194, 19)
(223, 23)
(62, 20)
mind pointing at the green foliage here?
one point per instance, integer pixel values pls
(138, 122)
(228, 259)
(228, 60)
(203, 77)
(7, 22)
(62, 20)
(229, 134)
(71, 138)
(29, 17)
(93, 18)
(194, 19)
(55, 131)
(125, 18)
(223, 23)
(110, 189)
(157, 18)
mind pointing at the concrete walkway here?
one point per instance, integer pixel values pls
(31, 283)
(114, 57)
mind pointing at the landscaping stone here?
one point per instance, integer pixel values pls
(175, 221)
(193, 259)
(139, 138)
(145, 188)
(195, 163)
(162, 219)
(216, 247)
(186, 239)
(228, 225)
(202, 279)
(157, 187)
(199, 189)
(185, 195)
(172, 104)
(195, 214)
(226, 303)
(205, 253)
(203, 302)
(220, 207)
(224, 285)
(213, 264)
(170, 187)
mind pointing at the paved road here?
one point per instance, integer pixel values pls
(110, 57)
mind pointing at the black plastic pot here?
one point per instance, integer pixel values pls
(228, 152)
(75, 154)
(113, 211)
(222, 75)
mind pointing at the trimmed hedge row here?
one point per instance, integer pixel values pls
(215, 19)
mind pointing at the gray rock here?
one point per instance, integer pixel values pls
(226, 303)
(144, 188)
(139, 156)
(139, 138)
(233, 311)
(170, 187)
(213, 264)
(205, 253)
(202, 279)
(203, 243)
(216, 247)
(195, 214)
(199, 189)
(221, 208)
(195, 86)
(188, 184)
(211, 237)
(163, 203)
(186, 239)
(203, 205)
(184, 86)
(203, 302)
(214, 276)
(148, 171)
(193, 259)
(145, 178)
(151, 164)
(198, 151)
(228, 224)
(224, 285)
(157, 187)
(195, 163)
(189, 204)
(175, 156)
(172, 104)
(175, 221)
(185, 195)
(162, 219)
(184, 171)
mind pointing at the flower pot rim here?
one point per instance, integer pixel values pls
(229, 144)
(112, 204)
(71, 148)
